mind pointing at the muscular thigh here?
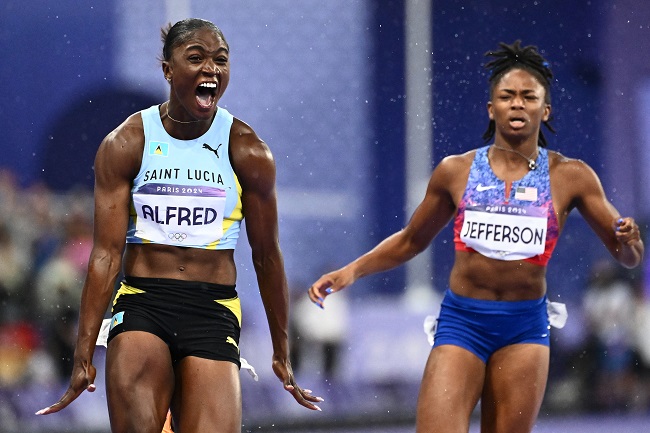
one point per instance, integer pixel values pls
(139, 382)
(207, 396)
(451, 386)
(514, 388)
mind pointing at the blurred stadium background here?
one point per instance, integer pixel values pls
(358, 99)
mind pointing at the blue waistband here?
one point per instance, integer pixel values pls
(481, 304)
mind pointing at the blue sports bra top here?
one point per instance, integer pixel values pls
(507, 221)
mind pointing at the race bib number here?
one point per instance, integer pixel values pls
(505, 232)
(179, 215)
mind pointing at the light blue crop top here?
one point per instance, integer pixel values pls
(186, 193)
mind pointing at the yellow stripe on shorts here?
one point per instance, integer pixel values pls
(125, 289)
(234, 305)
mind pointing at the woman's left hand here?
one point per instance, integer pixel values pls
(627, 231)
(303, 396)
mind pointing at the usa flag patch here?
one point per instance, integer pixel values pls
(527, 193)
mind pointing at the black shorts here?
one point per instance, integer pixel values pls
(193, 318)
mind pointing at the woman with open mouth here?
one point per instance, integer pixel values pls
(509, 201)
(172, 186)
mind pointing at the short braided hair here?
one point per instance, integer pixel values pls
(527, 58)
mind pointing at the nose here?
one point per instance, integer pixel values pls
(211, 67)
(517, 102)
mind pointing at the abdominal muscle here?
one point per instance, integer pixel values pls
(187, 264)
(476, 276)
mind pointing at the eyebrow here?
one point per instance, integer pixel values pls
(512, 91)
(202, 48)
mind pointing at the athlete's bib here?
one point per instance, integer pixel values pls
(507, 221)
(505, 232)
(186, 192)
(178, 214)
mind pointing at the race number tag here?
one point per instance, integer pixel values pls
(179, 214)
(505, 232)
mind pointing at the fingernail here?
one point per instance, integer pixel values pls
(320, 299)
(318, 408)
(40, 412)
(329, 290)
(308, 391)
(620, 220)
(320, 399)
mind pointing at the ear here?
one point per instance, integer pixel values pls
(490, 110)
(167, 71)
(547, 112)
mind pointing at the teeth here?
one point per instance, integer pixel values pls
(210, 85)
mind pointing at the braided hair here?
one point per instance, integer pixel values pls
(527, 58)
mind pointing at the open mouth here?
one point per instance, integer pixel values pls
(206, 94)
(517, 122)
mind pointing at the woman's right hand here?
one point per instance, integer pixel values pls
(330, 283)
(82, 379)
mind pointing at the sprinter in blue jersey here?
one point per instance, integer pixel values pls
(172, 186)
(509, 200)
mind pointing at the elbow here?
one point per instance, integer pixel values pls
(416, 245)
(629, 264)
(630, 256)
(105, 262)
(263, 260)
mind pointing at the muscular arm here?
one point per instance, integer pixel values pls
(255, 168)
(620, 235)
(116, 163)
(429, 218)
(257, 178)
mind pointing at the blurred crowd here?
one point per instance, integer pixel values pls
(606, 368)
(45, 242)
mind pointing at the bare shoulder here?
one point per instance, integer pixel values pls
(121, 150)
(557, 159)
(455, 166)
(245, 143)
(564, 169)
(127, 137)
(458, 161)
(450, 177)
(573, 182)
(251, 157)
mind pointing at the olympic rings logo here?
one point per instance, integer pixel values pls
(179, 237)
